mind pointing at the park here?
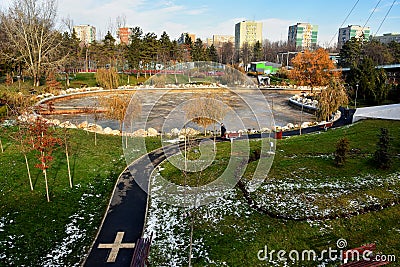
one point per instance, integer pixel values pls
(294, 197)
(129, 165)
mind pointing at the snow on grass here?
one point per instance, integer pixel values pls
(2, 223)
(304, 197)
(74, 233)
(170, 225)
(8, 241)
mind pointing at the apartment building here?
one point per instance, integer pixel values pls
(353, 31)
(303, 36)
(85, 33)
(387, 38)
(248, 32)
(123, 35)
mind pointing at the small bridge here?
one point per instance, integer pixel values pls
(389, 68)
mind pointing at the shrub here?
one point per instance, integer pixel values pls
(342, 150)
(107, 78)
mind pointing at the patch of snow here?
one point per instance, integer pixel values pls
(58, 255)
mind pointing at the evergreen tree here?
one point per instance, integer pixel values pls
(257, 52)
(212, 54)
(108, 50)
(135, 48)
(149, 50)
(350, 53)
(382, 155)
(165, 47)
(371, 81)
(198, 52)
(342, 150)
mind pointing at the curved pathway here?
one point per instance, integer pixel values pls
(123, 223)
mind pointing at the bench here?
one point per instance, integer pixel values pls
(326, 125)
(232, 136)
(141, 253)
(362, 257)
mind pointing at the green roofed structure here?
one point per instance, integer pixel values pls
(264, 67)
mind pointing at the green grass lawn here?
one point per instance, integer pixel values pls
(79, 80)
(302, 183)
(227, 232)
(31, 229)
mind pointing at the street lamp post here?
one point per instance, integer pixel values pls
(355, 100)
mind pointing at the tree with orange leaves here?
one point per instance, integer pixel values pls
(313, 68)
(44, 142)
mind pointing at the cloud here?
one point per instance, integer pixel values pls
(151, 16)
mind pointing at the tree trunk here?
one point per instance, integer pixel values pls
(215, 137)
(126, 139)
(47, 186)
(29, 172)
(191, 241)
(67, 79)
(1, 146)
(69, 169)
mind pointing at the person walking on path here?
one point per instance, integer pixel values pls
(223, 130)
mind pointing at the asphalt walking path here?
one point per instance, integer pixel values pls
(124, 220)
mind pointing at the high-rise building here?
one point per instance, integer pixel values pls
(352, 31)
(182, 38)
(219, 40)
(387, 38)
(124, 34)
(303, 36)
(247, 32)
(209, 42)
(85, 33)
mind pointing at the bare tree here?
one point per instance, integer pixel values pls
(69, 23)
(227, 52)
(65, 136)
(21, 136)
(29, 28)
(205, 110)
(120, 21)
(107, 78)
(117, 105)
(246, 54)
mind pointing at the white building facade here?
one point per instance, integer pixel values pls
(85, 33)
(248, 32)
(353, 31)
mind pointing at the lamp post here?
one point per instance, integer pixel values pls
(355, 100)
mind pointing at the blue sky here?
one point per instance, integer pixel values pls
(205, 18)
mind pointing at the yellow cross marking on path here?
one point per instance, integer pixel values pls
(116, 246)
